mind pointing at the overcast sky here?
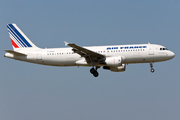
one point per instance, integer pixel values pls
(36, 92)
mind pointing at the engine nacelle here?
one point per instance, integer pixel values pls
(113, 61)
(116, 68)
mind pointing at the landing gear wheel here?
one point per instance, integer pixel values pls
(152, 70)
(96, 74)
(92, 70)
(151, 65)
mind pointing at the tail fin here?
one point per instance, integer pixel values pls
(18, 39)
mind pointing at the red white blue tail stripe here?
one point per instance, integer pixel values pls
(18, 38)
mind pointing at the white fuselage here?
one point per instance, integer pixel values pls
(136, 53)
(113, 58)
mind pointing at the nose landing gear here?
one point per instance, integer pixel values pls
(152, 70)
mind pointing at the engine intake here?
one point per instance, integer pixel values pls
(113, 61)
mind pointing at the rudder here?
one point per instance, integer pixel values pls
(18, 38)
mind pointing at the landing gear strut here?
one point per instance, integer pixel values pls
(152, 70)
(94, 71)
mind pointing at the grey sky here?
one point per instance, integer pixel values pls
(35, 92)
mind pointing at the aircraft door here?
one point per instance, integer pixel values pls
(151, 49)
(39, 55)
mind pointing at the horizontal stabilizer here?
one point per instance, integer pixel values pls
(15, 53)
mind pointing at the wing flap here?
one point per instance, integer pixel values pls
(84, 52)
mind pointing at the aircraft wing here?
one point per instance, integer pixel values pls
(86, 53)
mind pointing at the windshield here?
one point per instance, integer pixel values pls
(163, 49)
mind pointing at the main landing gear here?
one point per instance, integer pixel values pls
(94, 71)
(152, 70)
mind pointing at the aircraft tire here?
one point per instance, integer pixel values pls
(96, 74)
(152, 70)
(92, 70)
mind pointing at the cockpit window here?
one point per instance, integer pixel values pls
(163, 49)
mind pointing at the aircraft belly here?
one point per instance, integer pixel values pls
(133, 58)
(138, 57)
(59, 60)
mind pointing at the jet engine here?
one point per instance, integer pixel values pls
(113, 61)
(116, 68)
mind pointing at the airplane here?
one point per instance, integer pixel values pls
(111, 57)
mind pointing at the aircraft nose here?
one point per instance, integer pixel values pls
(172, 55)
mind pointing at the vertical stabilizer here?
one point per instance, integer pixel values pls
(18, 39)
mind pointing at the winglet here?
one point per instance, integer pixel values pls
(66, 43)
